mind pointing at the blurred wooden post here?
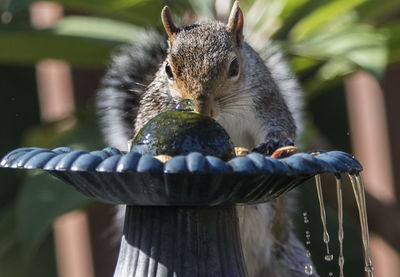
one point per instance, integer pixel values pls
(56, 99)
(370, 140)
(71, 234)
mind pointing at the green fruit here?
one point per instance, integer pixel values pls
(182, 131)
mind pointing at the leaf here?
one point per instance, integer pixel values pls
(262, 20)
(41, 200)
(373, 10)
(139, 12)
(26, 46)
(393, 32)
(293, 12)
(8, 238)
(14, 262)
(301, 64)
(204, 8)
(96, 28)
(356, 44)
(321, 16)
(328, 75)
(291, 7)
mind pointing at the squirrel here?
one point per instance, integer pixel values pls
(211, 64)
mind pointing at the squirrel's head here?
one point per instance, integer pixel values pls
(204, 62)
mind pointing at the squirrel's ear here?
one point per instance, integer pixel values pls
(168, 23)
(235, 23)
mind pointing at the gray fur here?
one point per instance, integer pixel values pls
(286, 81)
(254, 108)
(131, 70)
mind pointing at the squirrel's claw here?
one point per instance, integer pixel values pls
(269, 147)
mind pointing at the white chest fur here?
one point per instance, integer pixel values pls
(245, 130)
(241, 124)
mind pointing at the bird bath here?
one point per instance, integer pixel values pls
(180, 218)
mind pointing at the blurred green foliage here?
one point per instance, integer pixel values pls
(325, 40)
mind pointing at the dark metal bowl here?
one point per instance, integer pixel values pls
(112, 176)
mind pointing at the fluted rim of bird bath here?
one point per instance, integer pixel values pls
(118, 177)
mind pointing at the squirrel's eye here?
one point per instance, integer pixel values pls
(233, 68)
(169, 71)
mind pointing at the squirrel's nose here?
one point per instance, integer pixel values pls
(213, 113)
(206, 109)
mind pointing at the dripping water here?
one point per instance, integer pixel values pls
(308, 235)
(328, 257)
(130, 145)
(308, 269)
(308, 241)
(359, 194)
(340, 220)
(305, 217)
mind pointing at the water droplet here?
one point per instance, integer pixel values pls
(358, 188)
(369, 268)
(185, 105)
(307, 232)
(305, 214)
(308, 269)
(322, 212)
(330, 273)
(328, 257)
(306, 220)
(308, 242)
(308, 253)
(340, 222)
(326, 237)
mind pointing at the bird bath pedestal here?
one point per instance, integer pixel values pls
(180, 218)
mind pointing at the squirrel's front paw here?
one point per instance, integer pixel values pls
(269, 147)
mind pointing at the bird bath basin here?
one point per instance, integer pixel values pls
(180, 218)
